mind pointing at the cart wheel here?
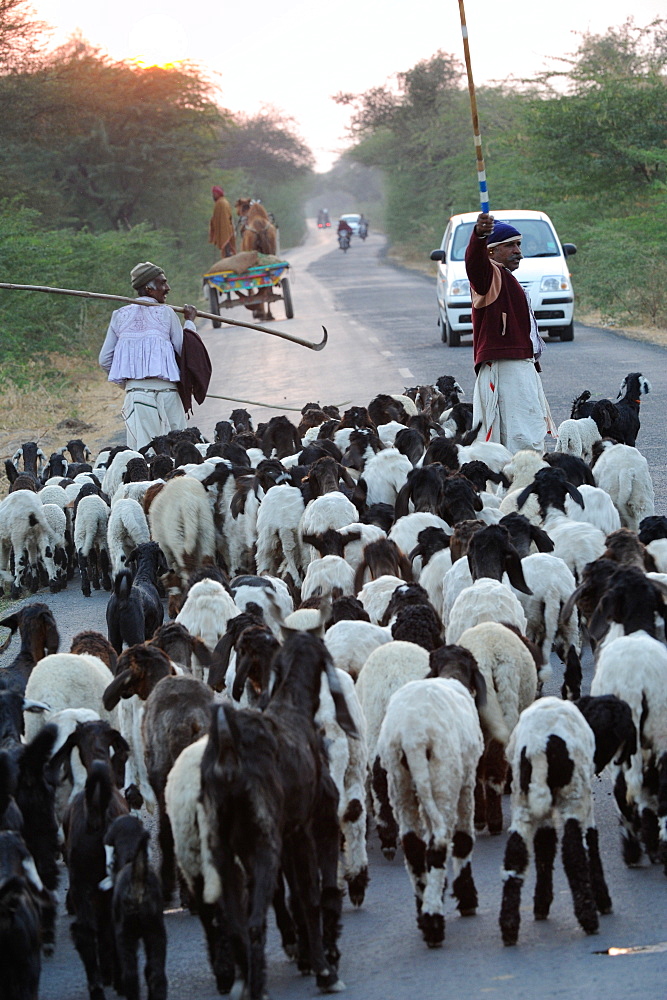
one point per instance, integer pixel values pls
(215, 304)
(287, 298)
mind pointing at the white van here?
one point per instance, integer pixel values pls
(543, 272)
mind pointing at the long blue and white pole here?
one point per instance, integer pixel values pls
(481, 172)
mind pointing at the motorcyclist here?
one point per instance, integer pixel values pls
(344, 227)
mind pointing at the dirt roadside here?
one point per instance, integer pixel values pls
(77, 401)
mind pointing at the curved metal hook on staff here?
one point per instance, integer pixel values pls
(179, 309)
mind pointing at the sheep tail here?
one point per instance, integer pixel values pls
(226, 735)
(98, 792)
(626, 483)
(538, 792)
(122, 584)
(417, 762)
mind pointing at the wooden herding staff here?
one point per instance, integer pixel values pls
(481, 172)
(179, 309)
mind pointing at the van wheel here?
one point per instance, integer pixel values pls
(567, 332)
(453, 337)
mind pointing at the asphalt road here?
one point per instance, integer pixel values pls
(383, 336)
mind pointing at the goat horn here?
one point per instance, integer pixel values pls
(82, 293)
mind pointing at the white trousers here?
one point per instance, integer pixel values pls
(510, 403)
(152, 406)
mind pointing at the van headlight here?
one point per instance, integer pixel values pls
(460, 287)
(555, 283)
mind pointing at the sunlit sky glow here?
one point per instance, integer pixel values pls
(295, 54)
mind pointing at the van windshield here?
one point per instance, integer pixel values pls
(538, 238)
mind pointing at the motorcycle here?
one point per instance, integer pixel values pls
(344, 240)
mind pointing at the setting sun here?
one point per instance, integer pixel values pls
(158, 40)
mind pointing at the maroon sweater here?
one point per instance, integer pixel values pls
(500, 312)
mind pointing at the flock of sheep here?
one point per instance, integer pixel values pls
(362, 613)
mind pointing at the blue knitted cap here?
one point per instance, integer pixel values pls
(502, 233)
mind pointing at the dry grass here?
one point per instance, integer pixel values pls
(74, 401)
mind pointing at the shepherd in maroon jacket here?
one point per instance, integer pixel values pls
(508, 398)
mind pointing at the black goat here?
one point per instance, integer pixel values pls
(85, 823)
(136, 908)
(270, 800)
(135, 609)
(39, 638)
(619, 420)
(424, 488)
(22, 899)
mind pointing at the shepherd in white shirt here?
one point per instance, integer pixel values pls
(139, 353)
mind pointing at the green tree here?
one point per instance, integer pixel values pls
(94, 142)
(608, 130)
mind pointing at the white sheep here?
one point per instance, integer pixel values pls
(90, 543)
(376, 594)
(405, 532)
(270, 593)
(278, 545)
(511, 685)
(575, 542)
(388, 667)
(432, 577)
(551, 583)
(496, 456)
(384, 475)
(429, 745)
(577, 437)
(387, 432)
(634, 668)
(551, 752)
(67, 680)
(352, 642)
(181, 523)
(521, 469)
(485, 601)
(205, 613)
(624, 473)
(331, 575)
(126, 529)
(598, 508)
(348, 764)
(113, 477)
(25, 532)
(331, 510)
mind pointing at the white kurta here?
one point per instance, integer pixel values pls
(510, 403)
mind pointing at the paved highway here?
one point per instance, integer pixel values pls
(383, 336)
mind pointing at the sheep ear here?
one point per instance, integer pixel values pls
(604, 612)
(514, 570)
(575, 494)
(35, 706)
(523, 496)
(401, 505)
(217, 668)
(11, 622)
(121, 686)
(61, 756)
(201, 651)
(541, 539)
(417, 551)
(242, 671)
(346, 477)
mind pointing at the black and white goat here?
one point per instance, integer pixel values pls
(135, 609)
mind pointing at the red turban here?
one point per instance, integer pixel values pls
(216, 191)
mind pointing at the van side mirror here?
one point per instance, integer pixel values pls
(569, 249)
(440, 255)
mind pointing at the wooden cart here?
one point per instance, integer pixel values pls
(258, 286)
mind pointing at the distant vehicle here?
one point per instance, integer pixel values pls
(543, 273)
(323, 220)
(344, 240)
(353, 221)
(363, 228)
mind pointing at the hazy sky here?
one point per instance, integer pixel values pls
(295, 54)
